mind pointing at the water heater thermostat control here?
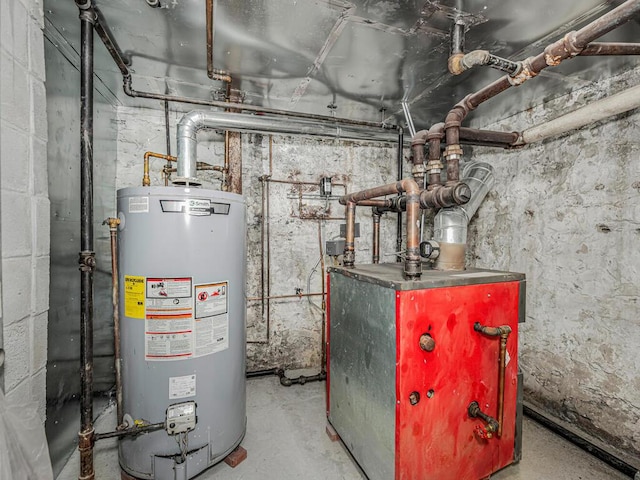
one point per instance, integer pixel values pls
(181, 418)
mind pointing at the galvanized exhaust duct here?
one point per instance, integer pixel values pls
(450, 224)
(197, 120)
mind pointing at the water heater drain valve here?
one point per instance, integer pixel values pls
(181, 418)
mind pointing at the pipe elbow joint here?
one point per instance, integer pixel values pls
(455, 64)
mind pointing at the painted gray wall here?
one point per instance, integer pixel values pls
(295, 251)
(25, 202)
(566, 212)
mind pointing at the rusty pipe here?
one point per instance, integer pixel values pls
(445, 196)
(610, 48)
(146, 180)
(376, 236)
(413, 264)
(567, 47)
(323, 326)
(113, 233)
(502, 332)
(213, 73)
(87, 259)
(282, 297)
(349, 244)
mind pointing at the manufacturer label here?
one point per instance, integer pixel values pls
(182, 387)
(212, 318)
(134, 296)
(191, 206)
(169, 323)
(138, 204)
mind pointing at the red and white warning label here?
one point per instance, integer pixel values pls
(169, 323)
(211, 318)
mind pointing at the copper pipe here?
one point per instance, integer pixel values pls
(225, 183)
(298, 182)
(376, 237)
(146, 180)
(213, 73)
(386, 203)
(413, 263)
(610, 48)
(113, 232)
(349, 244)
(567, 47)
(168, 135)
(279, 297)
(323, 329)
(503, 332)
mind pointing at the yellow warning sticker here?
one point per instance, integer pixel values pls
(134, 296)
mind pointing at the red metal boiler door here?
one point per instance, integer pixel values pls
(436, 438)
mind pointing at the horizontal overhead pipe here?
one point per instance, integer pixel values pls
(610, 48)
(567, 47)
(616, 104)
(122, 63)
(197, 120)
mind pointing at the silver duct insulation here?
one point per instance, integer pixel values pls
(450, 224)
(197, 120)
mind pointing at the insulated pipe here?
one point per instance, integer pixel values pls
(87, 259)
(616, 104)
(567, 47)
(450, 224)
(413, 263)
(197, 120)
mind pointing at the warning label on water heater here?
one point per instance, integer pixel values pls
(169, 323)
(211, 318)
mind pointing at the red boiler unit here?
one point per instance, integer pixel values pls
(423, 379)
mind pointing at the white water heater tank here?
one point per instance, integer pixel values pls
(182, 309)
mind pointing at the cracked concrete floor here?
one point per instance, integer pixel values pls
(286, 439)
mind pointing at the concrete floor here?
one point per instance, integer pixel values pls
(286, 439)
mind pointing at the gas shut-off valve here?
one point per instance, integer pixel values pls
(429, 249)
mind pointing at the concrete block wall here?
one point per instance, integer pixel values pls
(295, 251)
(24, 203)
(566, 212)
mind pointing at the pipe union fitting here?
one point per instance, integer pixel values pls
(452, 150)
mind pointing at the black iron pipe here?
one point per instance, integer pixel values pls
(581, 442)
(87, 255)
(109, 42)
(264, 372)
(302, 379)
(399, 165)
(131, 431)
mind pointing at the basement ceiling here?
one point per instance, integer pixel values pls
(363, 57)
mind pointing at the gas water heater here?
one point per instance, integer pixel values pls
(182, 289)
(423, 379)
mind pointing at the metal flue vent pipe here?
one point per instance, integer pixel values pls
(616, 104)
(450, 224)
(197, 120)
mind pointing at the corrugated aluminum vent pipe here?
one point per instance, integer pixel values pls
(197, 120)
(450, 224)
